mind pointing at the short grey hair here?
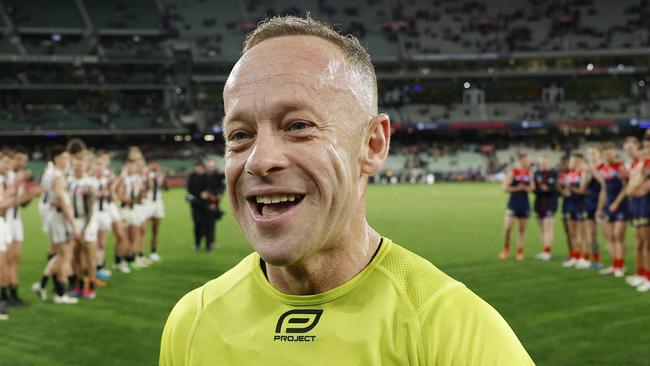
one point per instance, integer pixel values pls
(356, 56)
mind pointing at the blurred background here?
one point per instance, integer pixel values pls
(466, 83)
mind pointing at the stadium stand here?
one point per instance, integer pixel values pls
(32, 14)
(498, 26)
(120, 14)
(505, 59)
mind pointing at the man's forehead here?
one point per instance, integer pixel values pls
(305, 59)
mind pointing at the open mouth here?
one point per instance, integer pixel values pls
(269, 206)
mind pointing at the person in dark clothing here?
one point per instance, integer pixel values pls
(196, 191)
(215, 188)
(546, 203)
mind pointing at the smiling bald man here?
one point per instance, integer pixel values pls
(303, 135)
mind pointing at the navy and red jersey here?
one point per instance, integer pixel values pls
(573, 180)
(613, 174)
(519, 199)
(546, 201)
(593, 192)
(548, 178)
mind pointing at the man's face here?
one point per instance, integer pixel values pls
(20, 160)
(98, 168)
(61, 160)
(79, 167)
(105, 159)
(543, 163)
(610, 154)
(293, 147)
(593, 154)
(631, 149)
(5, 162)
(210, 165)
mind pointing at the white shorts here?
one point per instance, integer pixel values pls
(133, 216)
(115, 213)
(155, 209)
(89, 234)
(57, 229)
(44, 211)
(16, 229)
(4, 235)
(9, 235)
(104, 220)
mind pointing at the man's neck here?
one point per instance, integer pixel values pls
(328, 270)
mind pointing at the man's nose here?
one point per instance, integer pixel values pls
(268, 154)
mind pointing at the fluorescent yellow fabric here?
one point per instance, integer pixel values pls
(400, 310)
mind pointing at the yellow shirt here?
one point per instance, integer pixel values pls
(400, 310)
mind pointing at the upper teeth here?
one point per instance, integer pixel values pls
(275, 198)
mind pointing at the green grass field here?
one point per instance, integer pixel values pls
(562, 316)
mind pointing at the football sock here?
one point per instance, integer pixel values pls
(3, 293)
(58, 287)
(13, 291)
(44, 279)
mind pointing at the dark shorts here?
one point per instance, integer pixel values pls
(642, 217)
(575, 211)
(545, 206)
(634, 205)
(518, 212)
(590, 214)
(545, 214)
(622, 214)
(577, 215)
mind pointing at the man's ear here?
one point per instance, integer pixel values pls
(376, 144)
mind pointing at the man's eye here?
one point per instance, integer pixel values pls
(239, 135)
(298, 126)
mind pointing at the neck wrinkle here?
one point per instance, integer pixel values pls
(327, 270)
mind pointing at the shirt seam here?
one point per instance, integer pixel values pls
(402, 293)
(417, 312)
(445, 288)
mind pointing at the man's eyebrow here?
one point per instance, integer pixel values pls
(236, 116)
(285, 107)
(278, 110)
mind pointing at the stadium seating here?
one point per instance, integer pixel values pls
(68, 45)
(123, 14)
(497, 26)
(44, 14)
(133, 47)
(146, 32)
(388, 29)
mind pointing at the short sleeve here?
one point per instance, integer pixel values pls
(459, 328)
(176, 334)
